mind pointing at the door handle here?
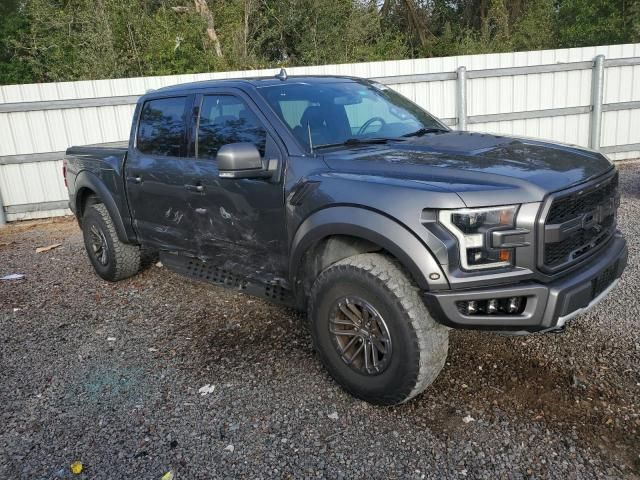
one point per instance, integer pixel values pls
(136, 179)
(195, 188)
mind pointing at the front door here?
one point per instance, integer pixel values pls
(157, 175)
(238, 224)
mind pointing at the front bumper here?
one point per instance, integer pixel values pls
(548, 306)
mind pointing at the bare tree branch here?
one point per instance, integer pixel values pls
(417, 22)
(203, 9)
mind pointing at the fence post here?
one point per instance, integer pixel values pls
(597, 95)
(3, 218)
(461, 98)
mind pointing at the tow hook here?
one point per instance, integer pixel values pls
(559, 329)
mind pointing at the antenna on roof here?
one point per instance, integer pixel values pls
(282, 75)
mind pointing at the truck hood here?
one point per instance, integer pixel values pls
(482, 169)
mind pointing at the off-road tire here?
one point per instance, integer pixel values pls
(420, 344)
(122, 259)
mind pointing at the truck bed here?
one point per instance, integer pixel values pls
(99, 149)
(103, 164)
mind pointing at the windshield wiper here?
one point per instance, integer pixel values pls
(425, 131)
(355, 141)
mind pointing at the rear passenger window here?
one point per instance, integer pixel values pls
(161, 129)
(227, 119)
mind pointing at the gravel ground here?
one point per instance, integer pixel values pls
(109, 375)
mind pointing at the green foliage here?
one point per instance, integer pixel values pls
(303, 32)
(593, 22)
(536, 29)
(12, 68)
(56, 40)
(83, 39)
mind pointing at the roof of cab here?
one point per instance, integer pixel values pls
(256, 82)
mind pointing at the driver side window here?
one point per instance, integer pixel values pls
(227, 119)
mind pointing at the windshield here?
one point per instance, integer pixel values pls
(327, 114)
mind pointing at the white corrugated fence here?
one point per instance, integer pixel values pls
(550, 94)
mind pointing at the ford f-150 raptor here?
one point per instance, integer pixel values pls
(340, 197)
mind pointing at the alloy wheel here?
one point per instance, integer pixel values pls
(99, 246)
(360, 335)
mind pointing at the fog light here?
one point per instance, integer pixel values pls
(472, 307)
(513, 305)
(492, 306)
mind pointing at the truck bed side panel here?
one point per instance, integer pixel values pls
(98, 170)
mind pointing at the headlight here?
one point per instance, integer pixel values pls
(472, 227)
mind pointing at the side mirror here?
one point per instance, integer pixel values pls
(241, 160)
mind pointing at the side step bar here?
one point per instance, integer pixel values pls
(197, 269)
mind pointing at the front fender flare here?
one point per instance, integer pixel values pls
(374, 227)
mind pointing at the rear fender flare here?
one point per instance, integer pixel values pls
(88, 180)
(373, 227)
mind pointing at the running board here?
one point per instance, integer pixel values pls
(197, 269)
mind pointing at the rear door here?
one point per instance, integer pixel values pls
(157, 174)
(239, 223)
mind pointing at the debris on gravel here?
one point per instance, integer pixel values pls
(112, 374)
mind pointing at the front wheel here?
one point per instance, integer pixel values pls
(111, 258)
(372, 331)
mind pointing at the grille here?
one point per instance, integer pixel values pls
(570, 206)
(597, 204)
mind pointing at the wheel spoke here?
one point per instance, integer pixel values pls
(95, 237)
(356, 311)
(374, 354)
(380, 346)
(344, 333)
(355, 354)
(348, 345)
(349, 314)
(367, 347)
(366, 317)
(341, 322)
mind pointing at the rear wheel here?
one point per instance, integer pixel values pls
(111, 258)
(372, 331)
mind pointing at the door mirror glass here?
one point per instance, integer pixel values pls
(240, 160)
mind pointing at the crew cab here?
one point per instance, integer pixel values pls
(340, 197)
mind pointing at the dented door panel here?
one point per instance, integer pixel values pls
(158, 201)
(157, 174)
(238, 224)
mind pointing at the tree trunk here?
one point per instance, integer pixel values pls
(386, 8)
(203, 9)
(247, 11)
(416, 22)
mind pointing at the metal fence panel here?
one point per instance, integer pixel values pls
(31, 184)
(543, 94)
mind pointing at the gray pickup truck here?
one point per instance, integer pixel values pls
(339, 197)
